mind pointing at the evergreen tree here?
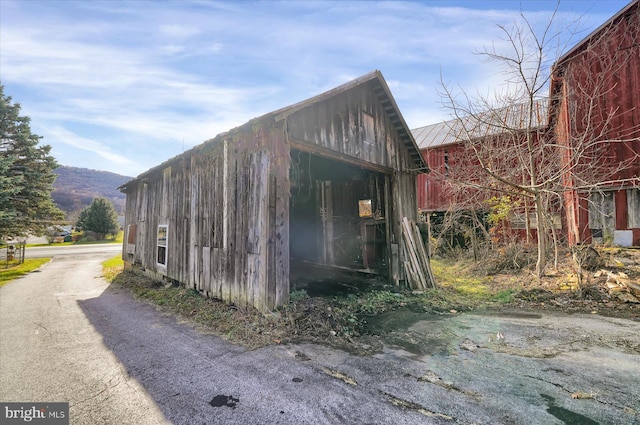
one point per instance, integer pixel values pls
(26, 175)
(99, 217)
(9, 186)
(82, 217)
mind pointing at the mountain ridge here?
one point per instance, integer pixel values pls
(75, 188)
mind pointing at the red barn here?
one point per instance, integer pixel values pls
(456, 181)
(592, 125)
(595, 112)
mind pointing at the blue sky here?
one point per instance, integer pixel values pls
(122, 86)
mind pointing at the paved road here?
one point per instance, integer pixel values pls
(66, 336)
(49, 350)
(110, 250)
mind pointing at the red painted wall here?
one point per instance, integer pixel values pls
(609, 58)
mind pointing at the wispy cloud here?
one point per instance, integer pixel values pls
(134, 83)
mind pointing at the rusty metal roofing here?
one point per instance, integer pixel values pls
(489, 123)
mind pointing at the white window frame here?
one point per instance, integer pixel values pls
(518, 220)
(162, 245)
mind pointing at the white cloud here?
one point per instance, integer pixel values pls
(178, 31)
(64, 136)
(131, 84)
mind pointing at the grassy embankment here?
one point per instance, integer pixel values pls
(14, 270)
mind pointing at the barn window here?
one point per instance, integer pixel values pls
(163, 232)
(131, 234)
(518, 220)
(446, 163)
(602, 214)
(131, 238)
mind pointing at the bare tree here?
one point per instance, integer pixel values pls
(510, 147)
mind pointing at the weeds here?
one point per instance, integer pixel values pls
(297, 295)
(337, 320)
(504, 297)
(112, 267)
(245, 326)
(513, 256)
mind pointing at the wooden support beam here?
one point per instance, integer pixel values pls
(327, 153)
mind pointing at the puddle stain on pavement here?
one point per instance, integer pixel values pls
(395, 328)
(224, 400)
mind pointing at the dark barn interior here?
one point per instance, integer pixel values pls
(337, 218)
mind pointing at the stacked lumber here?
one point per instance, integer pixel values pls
(416, 263)
(620, 286)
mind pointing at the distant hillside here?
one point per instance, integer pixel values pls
(75, 188)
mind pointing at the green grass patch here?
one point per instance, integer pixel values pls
(458, 277)
(35, 245)
(83, 242)
(111, 240)
(112, 267)
(18, 270)
(504, 297)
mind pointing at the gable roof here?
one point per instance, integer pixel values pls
(489, 123)
(382, 91)
(377, 84)
(575, 49)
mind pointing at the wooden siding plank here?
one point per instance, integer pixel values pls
(206, 269)
(281, 265)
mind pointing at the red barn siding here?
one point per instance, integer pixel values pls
(609, 59)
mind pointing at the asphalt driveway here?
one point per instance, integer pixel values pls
(65, 335)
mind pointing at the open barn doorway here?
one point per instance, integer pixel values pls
(338, 217)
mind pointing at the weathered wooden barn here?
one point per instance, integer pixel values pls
(322, 183)
(596, 108)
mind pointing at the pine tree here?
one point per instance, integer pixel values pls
(26, 175)
(100, 217)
